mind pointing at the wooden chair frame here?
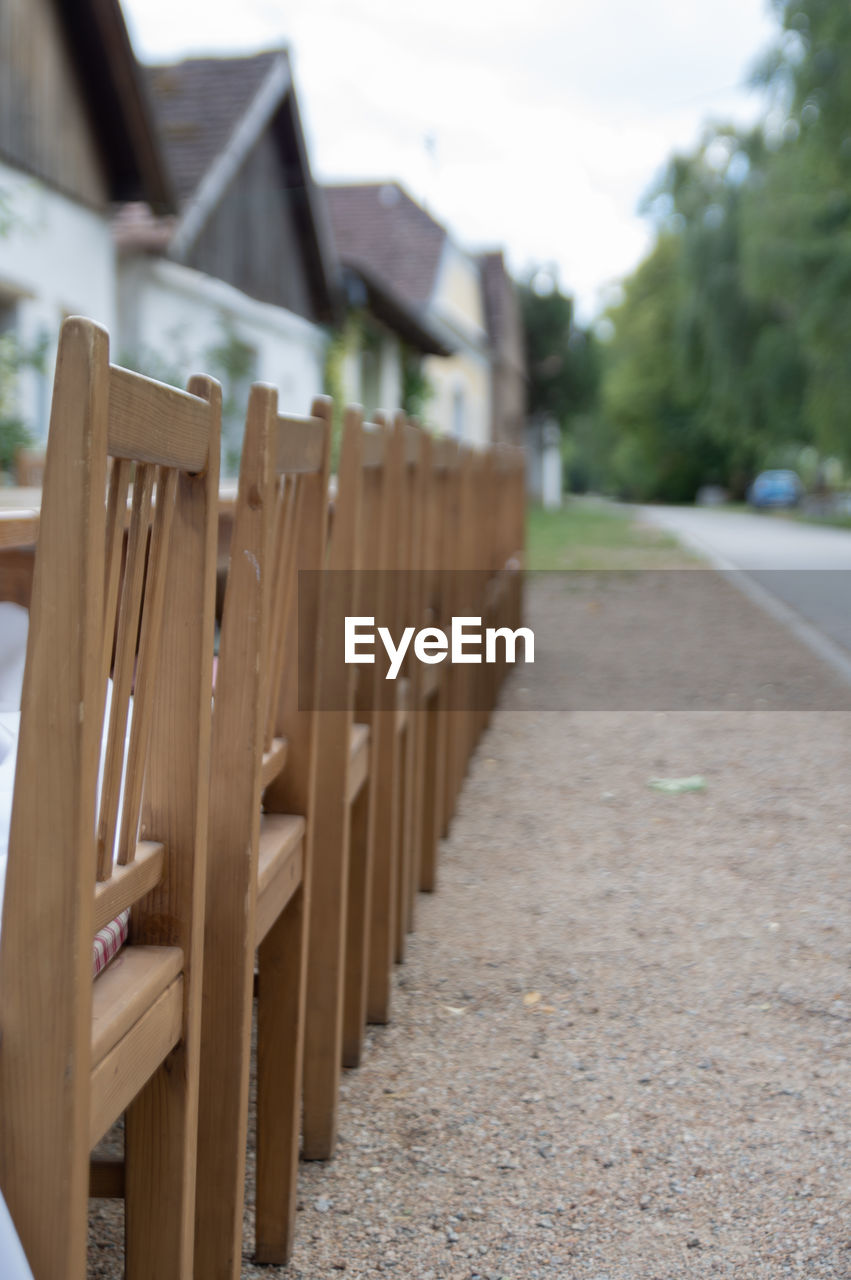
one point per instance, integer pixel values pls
(343, 827)
(441, 478)
(259, 863)
(76, 1054)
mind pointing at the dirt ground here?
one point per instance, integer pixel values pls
(620, 1041)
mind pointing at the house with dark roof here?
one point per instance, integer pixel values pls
(382, 234)
(508, 354)
(386, 334)
(242, 280)
(76, 136)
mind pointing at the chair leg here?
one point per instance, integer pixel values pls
(160, 1158)
(326, 942)
(420, 730)
(384, 870)
(280, 1040)
(432, 784)
(224, 1073)
(222, 1128)
(402, 842)
(413, 808)
(358, 926)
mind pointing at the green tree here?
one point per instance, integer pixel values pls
(658, 447)
(561, 356)
(799, 244)
(730, 348)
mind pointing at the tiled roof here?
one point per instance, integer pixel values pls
(378, 226)
(198, 104)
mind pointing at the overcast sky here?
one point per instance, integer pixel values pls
(535, 124)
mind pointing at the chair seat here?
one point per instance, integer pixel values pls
(358, 758)
(137, 1018)
(280, 867)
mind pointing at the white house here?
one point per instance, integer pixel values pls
(243, 282)
(387, 237)
(386, 336)
(462, 383)
(75, 137)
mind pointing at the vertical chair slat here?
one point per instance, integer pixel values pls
(125, 660)
(282, 516)
(148, 659)
(284, 596)
(116, 511)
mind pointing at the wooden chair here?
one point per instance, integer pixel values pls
(440, 488)
(508, 541)
(259, 863)
(370, 928)
(411, 611)
(344, 810)
(76, 1054)
(378, 913)
(464, 601)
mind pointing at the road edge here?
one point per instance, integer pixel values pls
(831, 653)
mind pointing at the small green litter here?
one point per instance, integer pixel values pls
(677, 786)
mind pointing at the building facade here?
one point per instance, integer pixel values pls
(242, 282)
(75, 137)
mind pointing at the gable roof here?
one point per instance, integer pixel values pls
(119, 109)
(198, 103)
(378, 226)
(211, 113)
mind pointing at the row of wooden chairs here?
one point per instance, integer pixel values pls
(269, 844)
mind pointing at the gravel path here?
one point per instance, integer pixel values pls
(620, 1040)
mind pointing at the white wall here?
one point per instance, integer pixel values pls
(170, 317)
(56, 259)
(461, 387)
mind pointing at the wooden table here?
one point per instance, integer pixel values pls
(19, 516)
(19, 510)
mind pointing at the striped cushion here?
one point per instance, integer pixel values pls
(109, 941)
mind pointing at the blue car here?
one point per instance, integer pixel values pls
(776, 489)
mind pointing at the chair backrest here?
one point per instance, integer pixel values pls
(409, 481)
(280, 525)
(374, 551)
(510, 527)
(139, 609)
(438, 556)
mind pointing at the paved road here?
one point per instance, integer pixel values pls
(807, 567)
